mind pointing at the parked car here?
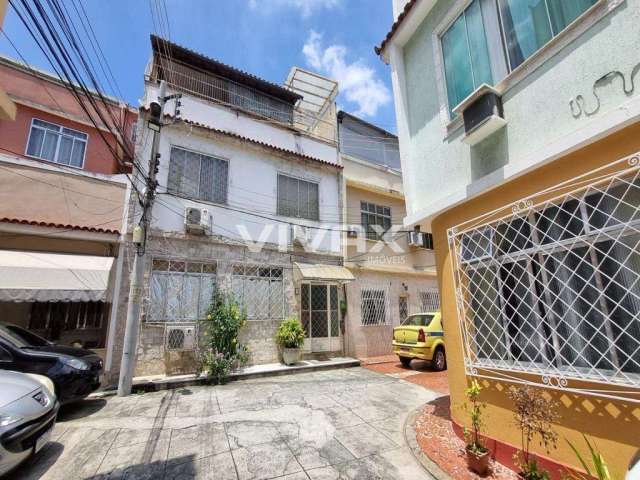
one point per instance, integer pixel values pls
(28, 411)
(421, 336)
(75, 372)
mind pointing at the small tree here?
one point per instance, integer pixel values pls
(220, 349)
(534, 414)
(474, 442)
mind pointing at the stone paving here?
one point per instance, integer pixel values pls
(339, 424)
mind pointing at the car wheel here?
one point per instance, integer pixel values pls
(406, 362)
(439, 360)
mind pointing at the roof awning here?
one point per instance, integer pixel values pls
(321, 273)
(53, 277)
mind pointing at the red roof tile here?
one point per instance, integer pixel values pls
(405, 11)
(35, 223)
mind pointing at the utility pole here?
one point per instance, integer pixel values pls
(140, 236)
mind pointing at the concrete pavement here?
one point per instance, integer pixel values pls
(339, 424)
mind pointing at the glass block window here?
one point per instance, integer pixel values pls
(198, 176)
(373, 306)
(298, 198)
(54, 143)
(554, 287)
(260, 291)
(180, 291)
(376, 219)
(429, 300)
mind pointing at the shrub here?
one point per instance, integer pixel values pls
(474, 442)
(220, 350)
(290, 334)
(534, 414)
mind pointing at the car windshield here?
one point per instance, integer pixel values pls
(421, 320)
(21, 337)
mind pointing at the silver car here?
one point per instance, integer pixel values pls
(28, 412)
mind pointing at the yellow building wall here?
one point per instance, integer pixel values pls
(615, 425)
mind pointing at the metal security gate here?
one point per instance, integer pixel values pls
(320, 317)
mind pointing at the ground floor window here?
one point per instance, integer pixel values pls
(554, 287)
(373, 306)
(429, 300)
(260, 291)
(180, 291)
(403, 307)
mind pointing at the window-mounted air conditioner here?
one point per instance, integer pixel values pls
(416, 239)
(180, 338)
(482, 114)
(352, 233)
(197, 220)
(299, 235)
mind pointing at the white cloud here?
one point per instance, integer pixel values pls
(357, 81)
(306, 7)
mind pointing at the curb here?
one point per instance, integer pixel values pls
(193, 380)
(410, 437)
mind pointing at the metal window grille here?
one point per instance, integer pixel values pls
(298, 198)
(553, 287)
(376, 219)
(259, 291)
(196, 175)
(403, 306)
(180, 291)
(67, 316)
(429, 300)
(374, 307)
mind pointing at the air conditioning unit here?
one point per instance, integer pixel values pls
(197, 220)
(299, 235)
(482, 114)
(180, 338)
(352, 233)
(416, 239)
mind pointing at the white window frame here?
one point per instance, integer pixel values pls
(556, 369)
(514, 76)
(197, 152)
(386, 318)
(272, 279)
(60, 133)
(379, 235)
(300, 179)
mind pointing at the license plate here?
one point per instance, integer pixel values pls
(42, 440)
(405, 349)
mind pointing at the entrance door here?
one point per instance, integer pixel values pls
(320, 317)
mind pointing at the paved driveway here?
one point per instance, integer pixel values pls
(339, 424)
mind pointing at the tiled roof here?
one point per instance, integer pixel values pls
(191, 57)
(261, 143)
(405, 11)
(36, 223)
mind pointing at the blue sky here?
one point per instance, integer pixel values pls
(264, 37)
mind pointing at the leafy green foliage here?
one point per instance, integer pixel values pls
(474, 442)
(601, 469)
(534, 413)
(290, 333)
(220, 351)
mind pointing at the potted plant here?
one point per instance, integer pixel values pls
(534, 413)
(290, 337)
(477, 454)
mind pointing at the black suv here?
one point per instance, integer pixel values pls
(75, 372)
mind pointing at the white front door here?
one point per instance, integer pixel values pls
(320, 317)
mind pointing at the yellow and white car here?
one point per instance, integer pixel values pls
(421, 336)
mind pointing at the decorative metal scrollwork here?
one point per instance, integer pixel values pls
(634, 161)
(554, 382)
(521, 206)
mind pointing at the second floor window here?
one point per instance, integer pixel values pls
(298, 198)
(199, 176)
(376, 220)
(466, 56)
(55, 143)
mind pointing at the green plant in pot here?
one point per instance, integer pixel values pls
(534, 415)
(290, 338)
(477, 454)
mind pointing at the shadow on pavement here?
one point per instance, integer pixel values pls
(37, 466)
(80, 409)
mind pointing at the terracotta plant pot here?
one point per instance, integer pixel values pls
(290, 355)
(478, 462)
